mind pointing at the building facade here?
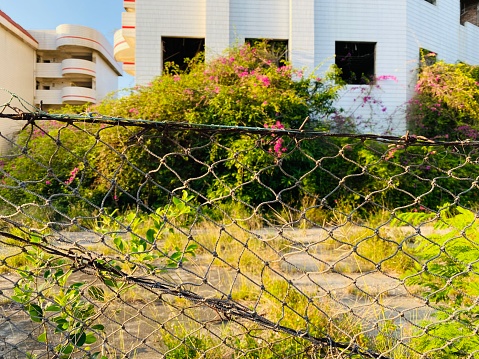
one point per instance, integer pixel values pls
(69, 65)
(74, 65)
(18, 47)
(379, 39)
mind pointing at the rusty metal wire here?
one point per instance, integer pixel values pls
(128, 238)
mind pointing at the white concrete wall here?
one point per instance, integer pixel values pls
(106, 79)
(442, 34)
(267, 19)
(156, 19)
(302, 34)
(381, 22)
(47, 39)
(217, 27)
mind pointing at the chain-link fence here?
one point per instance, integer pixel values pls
(137, 239)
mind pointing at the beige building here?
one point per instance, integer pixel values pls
(74, 65)
(71, 64)
(18, 47)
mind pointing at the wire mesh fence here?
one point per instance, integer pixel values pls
(129, 238)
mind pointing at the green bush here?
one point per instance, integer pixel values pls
(446, 102)
(447, 270)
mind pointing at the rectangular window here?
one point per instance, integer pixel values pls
(427, 57)
(177, 49)
(356, 60)
(277, 50)
(469, 11)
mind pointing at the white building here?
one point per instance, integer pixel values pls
(74, 65)
(380, 38)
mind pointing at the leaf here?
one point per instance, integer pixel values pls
(90, 338)
(110, 282)
(77, 285)
(53, 308)
(96, 293)
(150, 235)
(78, 338)
(177, 202)
(36, 313)
(35, 238)
(176, 256)
(58, 273)
(42, 338)
(119, 244)
(47, 274)
(66, 349)
(191, 248)
(18, 299)
(62, 325)
(100, 327)
(96, 355)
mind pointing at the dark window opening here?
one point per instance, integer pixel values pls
(86, 84)
(82, 56)
(469, 11)
(177, 49)
(275, 50)
(427, 57)
(431, 2)
(356, 60)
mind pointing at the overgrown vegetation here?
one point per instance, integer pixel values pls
(241, 182)
(446, 104)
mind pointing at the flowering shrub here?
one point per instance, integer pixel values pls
(245, 87)
(277, 144)
(446, 101)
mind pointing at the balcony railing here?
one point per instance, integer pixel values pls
(78, 67)
(129, 68)
(78, 95)
(49, 70)
(128, 25)
(129, 5)
(123, 51)
(48, 97)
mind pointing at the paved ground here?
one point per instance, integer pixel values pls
(370, 294)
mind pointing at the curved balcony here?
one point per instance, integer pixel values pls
(129, 68)
(129, 5)
(77, 35)
(123, 51)
(128, 25)
(78, 67)
(78, 95)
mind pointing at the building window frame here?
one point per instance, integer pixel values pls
(278, 49)
(357, 61)
(177, 48)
